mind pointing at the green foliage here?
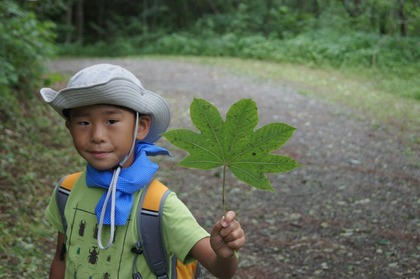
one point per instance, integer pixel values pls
(391, 61)
(233, 143)
(105, 20)
(380, 35)
(25, 42)
(35, 150)
(387, 56)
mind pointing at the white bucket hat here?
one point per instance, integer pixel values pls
(112, 85)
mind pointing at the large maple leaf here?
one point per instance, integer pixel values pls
(234, 143)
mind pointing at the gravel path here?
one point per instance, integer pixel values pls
(351, 210)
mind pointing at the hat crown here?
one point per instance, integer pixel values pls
(114, 85)
(101, 74)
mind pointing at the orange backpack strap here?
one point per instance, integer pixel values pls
(153, 195)
(149, 219)
(151, 243)
(68, 181)
(63, 189)
(62, 192)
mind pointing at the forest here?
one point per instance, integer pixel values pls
(378, 35)
(91, 21)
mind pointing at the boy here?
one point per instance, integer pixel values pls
(114, 122)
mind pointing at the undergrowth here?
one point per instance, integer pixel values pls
(36, 150)
(387, 60)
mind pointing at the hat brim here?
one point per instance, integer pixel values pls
(119, 92)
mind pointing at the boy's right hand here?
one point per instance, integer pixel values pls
(227, 236)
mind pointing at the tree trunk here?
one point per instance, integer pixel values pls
(79, 21)
(69, 21)
(101, 20)
(353, 8)
(316, 9)
(266, 19)
(382, 23)
(402, 18)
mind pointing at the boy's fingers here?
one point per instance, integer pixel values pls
(226, 220)
(225, 225)
(227, 233)
(231, 234)
(231, 227)
(237, 243)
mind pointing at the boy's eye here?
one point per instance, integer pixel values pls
(112, 121)
(83, 123)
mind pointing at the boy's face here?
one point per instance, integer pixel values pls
(103, 134)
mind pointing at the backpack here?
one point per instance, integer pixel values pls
(150, 238)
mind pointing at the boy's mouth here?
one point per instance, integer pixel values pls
(99, 154)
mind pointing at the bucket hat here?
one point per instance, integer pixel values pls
(112, 85)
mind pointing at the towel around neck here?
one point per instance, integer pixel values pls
(130, 180)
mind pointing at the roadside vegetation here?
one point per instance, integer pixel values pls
(362, 60)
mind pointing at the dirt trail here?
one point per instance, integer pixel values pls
(351, 210)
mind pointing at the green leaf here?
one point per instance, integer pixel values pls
(234, 143)
(241, 120)
(202, 156)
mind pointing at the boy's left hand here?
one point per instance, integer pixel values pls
(227, 236)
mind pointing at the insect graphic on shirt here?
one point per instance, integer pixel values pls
(82, 227)
(95, 231)
(75, 269)
(92, 276)
(93, 255)
(108, 258)
(106, 276)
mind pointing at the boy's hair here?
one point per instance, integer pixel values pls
(66, 113)
(112, 85)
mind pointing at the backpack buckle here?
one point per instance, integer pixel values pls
(138, 249)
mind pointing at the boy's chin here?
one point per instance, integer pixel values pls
(103, 167)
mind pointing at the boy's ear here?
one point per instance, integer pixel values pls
(144, 126)
(68, 124)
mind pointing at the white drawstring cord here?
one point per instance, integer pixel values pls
(112, 190)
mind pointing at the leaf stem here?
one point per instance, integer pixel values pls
(223, 190)
(235, 252)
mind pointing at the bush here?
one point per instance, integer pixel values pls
(26, 43)
(389, 56)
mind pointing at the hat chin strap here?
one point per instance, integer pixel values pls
(112, 190)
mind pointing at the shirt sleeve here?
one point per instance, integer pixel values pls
(181, 229)
(52, 213)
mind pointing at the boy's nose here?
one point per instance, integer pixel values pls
(97, 134)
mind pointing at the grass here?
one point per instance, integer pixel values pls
(36, 149)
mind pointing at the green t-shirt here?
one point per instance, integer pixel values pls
(84, 259)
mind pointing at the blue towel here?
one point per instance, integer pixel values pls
(130, 180)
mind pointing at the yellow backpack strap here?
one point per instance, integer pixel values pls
(62, 192)
(153, 195)
(149, 219)
(69, 180)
